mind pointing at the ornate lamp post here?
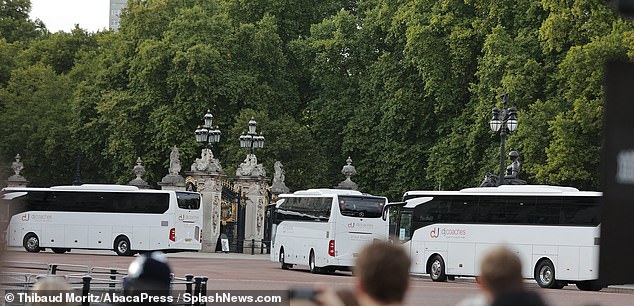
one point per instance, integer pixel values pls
(251, 139)
(505, 121)
(207, 134)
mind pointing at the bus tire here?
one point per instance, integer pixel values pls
(122, 246)
(311, 263)
(592, 285)
(60, 250)
(545, 275)
(31, 243)
(283, 263)
(437, 269)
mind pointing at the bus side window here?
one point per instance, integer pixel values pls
(580, 211)
(523, 208)
(547, 210)
(463, 209)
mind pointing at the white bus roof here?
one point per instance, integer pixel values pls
(97, 187)
(511, 190)
(84, 187)
(323, 192)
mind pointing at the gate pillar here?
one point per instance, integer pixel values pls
(252, 181)
(209, 185)
(254, 197)
(206, 177)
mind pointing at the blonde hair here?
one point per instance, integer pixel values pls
(51, 286)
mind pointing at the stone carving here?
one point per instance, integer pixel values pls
(216, 207)
(260, 216)
(173, 178)
(278, 179)
(139, 171)
(17, 165)
(348, 170)
(250, 167)
(206, 163)
(175, 162)
(17, 180)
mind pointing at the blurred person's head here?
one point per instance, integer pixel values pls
(382, 273)
(149, 273)
(51, 286)
(501, 271)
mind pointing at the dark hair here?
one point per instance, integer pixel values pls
(149, 272)
(383, 270)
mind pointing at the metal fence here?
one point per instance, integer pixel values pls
(251, 246)
(87, 279)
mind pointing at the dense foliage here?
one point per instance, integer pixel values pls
(405, 88)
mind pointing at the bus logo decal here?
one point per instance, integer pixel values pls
(25, 217)
(434, 233)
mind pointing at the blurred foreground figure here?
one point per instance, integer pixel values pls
(381, 278)
(149, 273)
(52, 287)
(502, 283)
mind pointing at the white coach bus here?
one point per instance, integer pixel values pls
(125, 219)
(325, 228)
(554, 230)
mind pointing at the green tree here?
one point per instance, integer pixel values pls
(41, 135)
(15, 24)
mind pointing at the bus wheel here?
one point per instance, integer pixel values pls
(122, 246)
(59, 250)
(437, 269)
(590, 285)
(283, 264)
(545, 275)
(311, 263)
(31, 243)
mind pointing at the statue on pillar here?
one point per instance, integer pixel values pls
(17, 180)
(17, 165)
(206, 163)
(279, 186)
(175, 162)
(250, 167)
(173, 177)
(139, 171)
(348, 170)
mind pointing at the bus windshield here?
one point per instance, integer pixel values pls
(364, 207)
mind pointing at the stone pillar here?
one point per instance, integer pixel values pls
(252, 180)
(207, 176)
(209, 185)
(139, 171)
(348, 170)
(17, 180)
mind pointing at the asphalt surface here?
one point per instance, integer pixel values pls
(231, 271)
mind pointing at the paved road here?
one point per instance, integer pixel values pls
(255, 272)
